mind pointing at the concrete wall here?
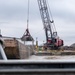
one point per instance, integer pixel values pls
(23, 51)
(15, 49)
(11, 48)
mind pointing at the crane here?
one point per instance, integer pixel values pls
(52, 39)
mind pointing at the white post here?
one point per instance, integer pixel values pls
(3, 53)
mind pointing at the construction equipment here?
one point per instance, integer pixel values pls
(52, 39)
(27, 36)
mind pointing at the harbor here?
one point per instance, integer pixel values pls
(25, 50)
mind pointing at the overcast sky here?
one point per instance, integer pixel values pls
(13, 19)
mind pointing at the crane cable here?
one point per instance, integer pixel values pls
(28, 17)
(51, 16)
(28, 14)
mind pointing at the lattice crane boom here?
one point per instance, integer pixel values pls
(45, 18)
(51, 40)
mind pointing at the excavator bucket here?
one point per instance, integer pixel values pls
(27, 36)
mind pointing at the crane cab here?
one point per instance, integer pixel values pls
(54, 43)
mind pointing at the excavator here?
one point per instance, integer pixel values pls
(52, 39)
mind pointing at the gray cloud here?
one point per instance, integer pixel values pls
(13, 9)
(13, 17)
